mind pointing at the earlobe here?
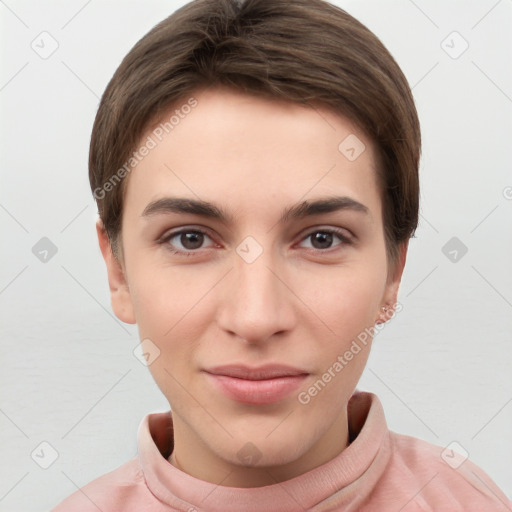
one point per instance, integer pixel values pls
(390, 298)
(119, 290)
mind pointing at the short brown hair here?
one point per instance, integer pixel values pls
(300, 50)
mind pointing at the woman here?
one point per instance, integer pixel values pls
(255, 165)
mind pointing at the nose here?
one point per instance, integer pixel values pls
(257, 302)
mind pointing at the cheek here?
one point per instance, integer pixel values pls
(347, 298)
(161, 294)
(173, 308)
(346, 305)
(171, 314)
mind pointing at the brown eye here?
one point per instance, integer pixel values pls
(323, 239)
(191, 240)
(186, 242)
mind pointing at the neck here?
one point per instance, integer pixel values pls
(188, 450)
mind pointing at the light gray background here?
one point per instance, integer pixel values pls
(69, 377)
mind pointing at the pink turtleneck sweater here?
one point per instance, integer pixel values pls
(379, 471)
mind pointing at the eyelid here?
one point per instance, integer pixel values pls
(342, 232)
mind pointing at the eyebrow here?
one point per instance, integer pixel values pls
(301, 210)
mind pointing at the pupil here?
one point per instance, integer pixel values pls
(192, 240)
(325, 240)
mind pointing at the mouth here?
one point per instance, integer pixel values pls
(258, 386)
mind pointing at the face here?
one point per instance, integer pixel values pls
(249, 238)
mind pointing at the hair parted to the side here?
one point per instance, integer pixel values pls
(300, 50)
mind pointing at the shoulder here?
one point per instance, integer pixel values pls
(438, 478)
(113, 491)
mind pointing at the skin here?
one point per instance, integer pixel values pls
(299, 303)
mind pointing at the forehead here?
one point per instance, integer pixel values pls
(250, 151)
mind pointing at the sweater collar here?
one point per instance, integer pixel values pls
(346, 479)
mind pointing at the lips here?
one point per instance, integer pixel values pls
(261, 385)
(270, 371)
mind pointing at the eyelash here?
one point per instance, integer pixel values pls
(165, 240)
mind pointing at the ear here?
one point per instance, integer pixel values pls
(119, 291)
(390, 297)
